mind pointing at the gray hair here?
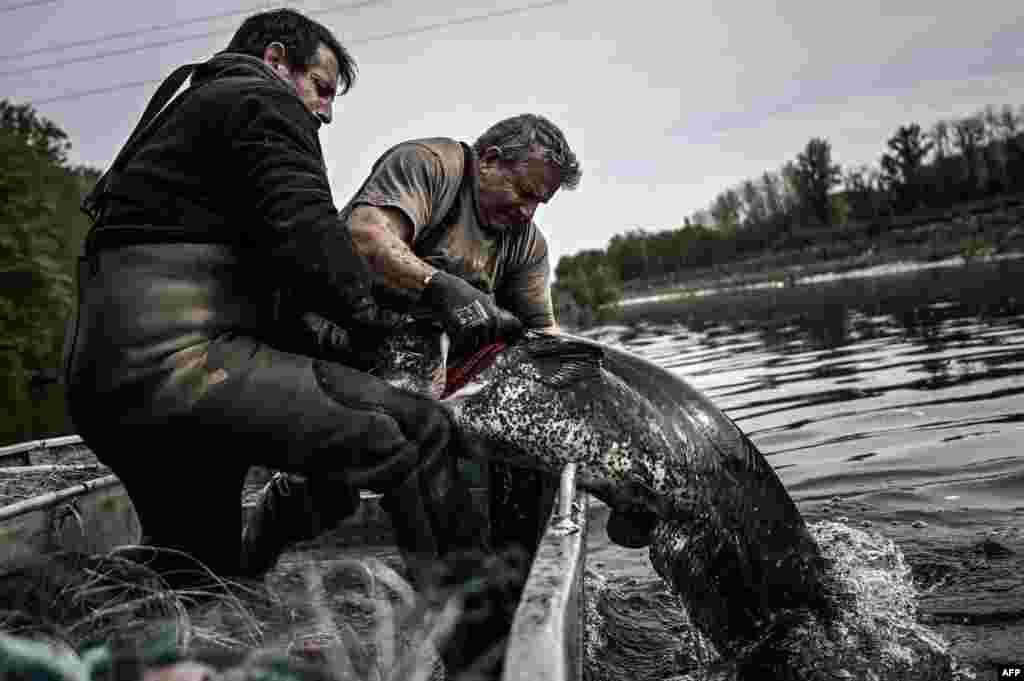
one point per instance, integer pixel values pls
(516, 137)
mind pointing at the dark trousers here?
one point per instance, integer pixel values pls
(183, 446)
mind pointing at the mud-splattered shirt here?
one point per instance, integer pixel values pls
(434, 183)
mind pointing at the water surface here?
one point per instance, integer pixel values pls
(892, 401)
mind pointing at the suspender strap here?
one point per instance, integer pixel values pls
(92, 205)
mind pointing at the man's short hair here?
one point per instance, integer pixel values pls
(517, 136)
(301, 37)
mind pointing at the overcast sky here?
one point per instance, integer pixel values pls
(665, 103)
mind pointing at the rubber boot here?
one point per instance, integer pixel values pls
(433, 515)
(292, 508)
(437, 526)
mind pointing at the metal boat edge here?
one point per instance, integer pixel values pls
(545, 643)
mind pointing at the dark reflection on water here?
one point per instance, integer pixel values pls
(862, 386)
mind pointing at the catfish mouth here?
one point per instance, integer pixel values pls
(631, 528)
(457, 377)
(635, 510)
(560, 362)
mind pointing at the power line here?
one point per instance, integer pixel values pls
(384, 36)
(123, 34)
(458, 22)
(164, 43)
(23, 5)
(111, 53)
(96, 91)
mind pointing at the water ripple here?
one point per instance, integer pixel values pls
(899, 382)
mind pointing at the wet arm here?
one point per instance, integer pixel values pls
(377, 233)
(526, 292)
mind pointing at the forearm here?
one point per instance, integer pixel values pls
(376, 233)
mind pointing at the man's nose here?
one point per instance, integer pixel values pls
(326, 113)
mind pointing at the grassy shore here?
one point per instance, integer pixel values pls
(969, 231)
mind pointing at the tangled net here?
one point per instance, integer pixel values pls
(78, 600)
(362, 621)
(17, 485)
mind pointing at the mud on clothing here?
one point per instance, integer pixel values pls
(434, 183)
(174, 371)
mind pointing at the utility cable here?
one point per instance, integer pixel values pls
(24, 5)
(126, 34)
(361, 41)
(458, 22)
(161, 43)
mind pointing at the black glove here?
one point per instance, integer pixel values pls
(458, 267)
(468, 315)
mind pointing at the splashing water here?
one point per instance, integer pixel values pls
(639, 630)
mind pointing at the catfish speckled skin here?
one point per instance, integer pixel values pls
(729, 539)
(414, 359)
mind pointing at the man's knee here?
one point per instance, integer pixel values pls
(420, 419)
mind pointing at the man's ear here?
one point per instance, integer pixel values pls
(275, 56)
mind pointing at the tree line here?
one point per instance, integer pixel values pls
(42, 229)
(41, 234)
(952, 162)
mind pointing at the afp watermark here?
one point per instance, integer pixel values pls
(1010, 671)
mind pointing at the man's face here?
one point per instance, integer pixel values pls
(510, 191)
(317, 85)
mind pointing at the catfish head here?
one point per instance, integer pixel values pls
(545, 401)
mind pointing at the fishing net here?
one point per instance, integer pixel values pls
(20, 483)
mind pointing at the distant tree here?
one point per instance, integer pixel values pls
(35, 132)
(771, 189)
(725, 211)
(816, 175)
(628, 255)
(940, 135)
(1011, 125)
(945, 171)
(790, 185)
(982, 151)
(968, 137)
(755, 212)
(1009, 122)
(591, 280)
(839, 209)
(663, 249)
(902, 164)
(857, 185)
(41, 231)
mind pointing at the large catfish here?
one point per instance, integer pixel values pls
(722, 529)
(680, 476)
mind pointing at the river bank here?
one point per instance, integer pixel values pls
(982, 230)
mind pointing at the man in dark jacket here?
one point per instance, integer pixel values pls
(220, 198)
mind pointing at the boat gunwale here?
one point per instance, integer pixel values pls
(545, 642)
